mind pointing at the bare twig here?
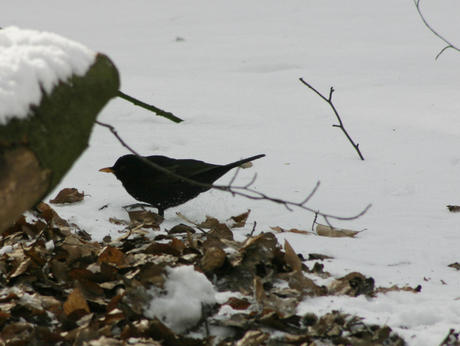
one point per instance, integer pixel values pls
(151, 108)
(314, 223)
(244, 191)
(253, 229)
(329, 101)
(449, 45)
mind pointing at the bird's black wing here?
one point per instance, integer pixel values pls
(185, 168)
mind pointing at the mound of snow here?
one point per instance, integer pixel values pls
(179, 304)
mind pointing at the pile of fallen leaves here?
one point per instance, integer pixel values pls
(60, 288)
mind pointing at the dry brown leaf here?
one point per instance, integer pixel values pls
(68, 195)
(292, 230)
(353, 284)
(455, 265)
(23, 329)
(59, 270)
(116, 221)
(238, 304)
(75, 301)
(298, 281)
(181, 228)
(74, 253)
(160, 249)
(178, 245)
(209, 223)
(50, 216)
(113, 256)
(291, 257)
(253, 338)
(454, 208)
(395, 288)
(265, 238)
(20, 266)
(240, 220)
(327, 231)
(295, 230)
(221, 231)
(146, 219)
(183, 217)
(259, 292)
(317, 256)
(213, 259)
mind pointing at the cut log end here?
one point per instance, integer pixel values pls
(23, 182)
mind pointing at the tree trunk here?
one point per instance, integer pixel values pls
(36, 152)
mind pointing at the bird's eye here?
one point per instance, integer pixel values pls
(122, 168)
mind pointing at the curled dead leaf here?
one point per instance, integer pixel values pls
(353, 284)
(259, 292)
(145, 219)
(291, 257)
(333, 232)
(68, 195)
(455, 265)
(75, 301)
(181, 228)
(113, 256)
(454, 208)
(213, 259)
(238, 303)
(253, 338)
(239, 220)
(292, 230)
(317, 256)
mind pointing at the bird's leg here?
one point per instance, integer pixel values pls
(137, 205)
(161, 211)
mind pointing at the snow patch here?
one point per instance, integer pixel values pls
(179, 304)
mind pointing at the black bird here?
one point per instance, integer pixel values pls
(163, 191)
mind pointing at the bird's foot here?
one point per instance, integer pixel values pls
(143, 206)
(138, 205)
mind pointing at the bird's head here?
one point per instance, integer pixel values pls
(126, 168)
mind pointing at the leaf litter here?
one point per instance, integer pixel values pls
(58, 287)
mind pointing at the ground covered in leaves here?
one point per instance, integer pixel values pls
(58, 287)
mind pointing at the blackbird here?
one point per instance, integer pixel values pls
(163, 191)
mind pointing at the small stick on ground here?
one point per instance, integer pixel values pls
(151, 108)
(329, 101)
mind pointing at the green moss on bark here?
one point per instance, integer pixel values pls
(59, 128)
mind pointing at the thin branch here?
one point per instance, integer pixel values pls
(243, 191)
(314, 223)
(151, 108)
(253, 229)
(449, 45)
(341, 126)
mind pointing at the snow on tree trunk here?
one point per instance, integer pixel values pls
(39, 147)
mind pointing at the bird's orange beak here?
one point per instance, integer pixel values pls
(106, 170)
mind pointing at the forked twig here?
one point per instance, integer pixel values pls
(244, 191)
(449, 45)
(329, 101)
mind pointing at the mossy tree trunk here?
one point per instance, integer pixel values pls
(36, 152)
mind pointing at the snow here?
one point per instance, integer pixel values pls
(234, 80)
(30, 61)
(6, 249)
(179, 304)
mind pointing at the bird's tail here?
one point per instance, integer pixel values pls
(240, 162)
